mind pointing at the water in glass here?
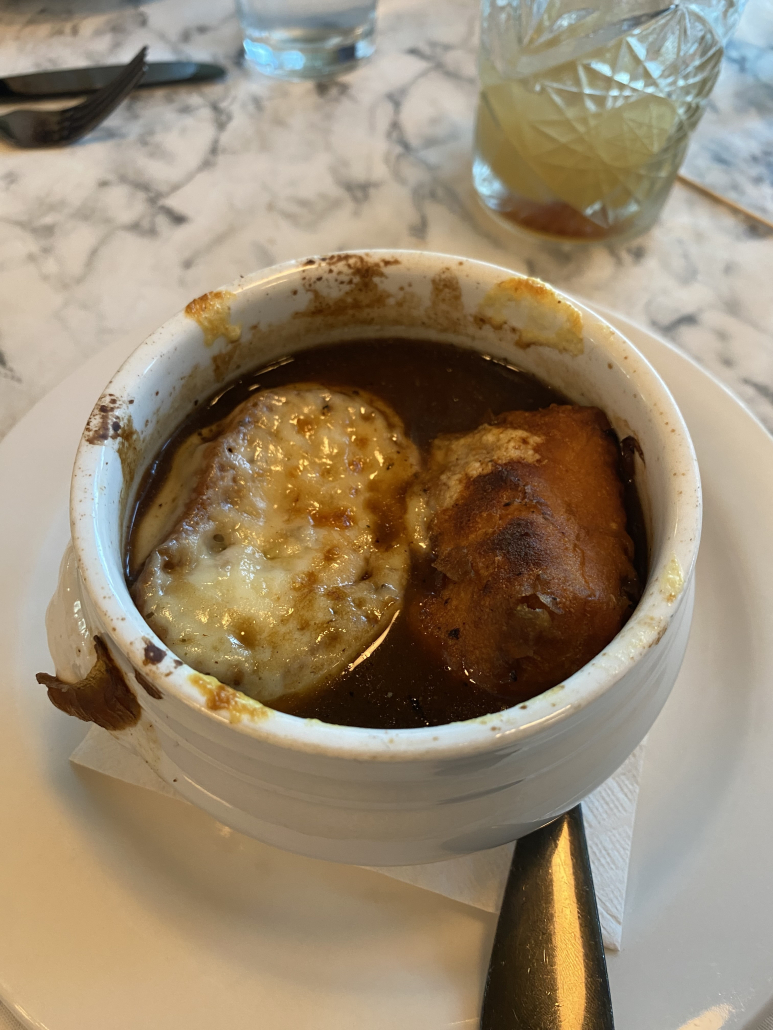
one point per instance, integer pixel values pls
(307, 39)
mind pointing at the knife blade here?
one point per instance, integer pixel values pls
(71, 81)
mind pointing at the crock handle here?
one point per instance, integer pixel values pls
(102, 696)
(88, 684)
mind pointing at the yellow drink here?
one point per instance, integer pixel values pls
(587, 148)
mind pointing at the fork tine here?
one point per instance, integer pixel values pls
(28, 128)
(75, 127)
(113, 88)
(113, 93)
(76, 121)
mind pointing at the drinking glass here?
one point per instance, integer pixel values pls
(585, 112)
(307, 39)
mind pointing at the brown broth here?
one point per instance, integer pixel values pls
(435, 388)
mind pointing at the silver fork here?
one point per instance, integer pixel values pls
(30, 128)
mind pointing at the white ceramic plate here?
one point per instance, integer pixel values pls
(123, 909)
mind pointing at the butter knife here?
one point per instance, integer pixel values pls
(71, 81)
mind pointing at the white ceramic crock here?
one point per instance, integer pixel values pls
(362, 795)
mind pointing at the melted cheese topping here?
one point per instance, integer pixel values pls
(465, 456)
(292, 554)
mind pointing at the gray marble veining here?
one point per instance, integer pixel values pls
(733, 150)
(186, 188)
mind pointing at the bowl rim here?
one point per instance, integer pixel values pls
(545, 714)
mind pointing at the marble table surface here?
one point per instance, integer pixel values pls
(184, 189)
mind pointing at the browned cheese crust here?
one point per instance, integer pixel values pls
(532, 570)
(291, 554)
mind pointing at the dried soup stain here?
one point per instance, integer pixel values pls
(147, 686)
(129, 447)
(672, 582)
(446, 307)
(659, 635)
(154, 654)
(102, 424)
(362, 291)
(535, 314)
(219, 698)
(212, 313)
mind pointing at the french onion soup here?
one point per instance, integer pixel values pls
(388, 533)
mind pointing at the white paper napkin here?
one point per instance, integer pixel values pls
(478, 879)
